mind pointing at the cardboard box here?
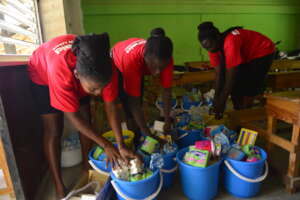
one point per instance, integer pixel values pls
(89, 193)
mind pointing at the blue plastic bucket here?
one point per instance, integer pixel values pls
(145, 189)
(244, 179)
(187, 103)
(169, 168)
(187, 138)
(99, 164)
(198, 183)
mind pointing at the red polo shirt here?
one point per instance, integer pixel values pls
(241, 46)
(128, 56)
(53, 64)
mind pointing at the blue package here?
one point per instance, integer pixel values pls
(235, 154)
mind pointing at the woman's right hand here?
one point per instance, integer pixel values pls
(113, 155)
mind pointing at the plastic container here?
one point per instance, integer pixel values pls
(144, 189)
(188, 137)
(127, 135)
(71, 151)
(198, 183)
(244, 179)
(169, 168)
(99, 164)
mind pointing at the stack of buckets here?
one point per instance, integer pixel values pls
(241, 179)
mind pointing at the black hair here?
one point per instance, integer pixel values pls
(158, 46)
(207, 30)
(93, 58)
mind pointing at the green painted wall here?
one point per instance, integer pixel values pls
(122, 19)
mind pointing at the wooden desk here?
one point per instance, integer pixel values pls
(285, 106)
(282, 80)
(194, 78)
(276, 80)
(276, 65)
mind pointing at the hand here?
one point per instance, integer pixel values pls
(128, 154)
(168, 127)
(113, 155)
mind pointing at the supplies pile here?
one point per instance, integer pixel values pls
(135, 171)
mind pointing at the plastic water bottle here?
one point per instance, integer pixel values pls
(157, 161)
(169, 148)
(222, 139)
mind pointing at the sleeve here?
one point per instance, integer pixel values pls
(63, 95)
(214, 59)
(110, 91)
(232, 49)
(166, 76)
(132, 79)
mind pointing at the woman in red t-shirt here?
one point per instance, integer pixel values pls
(64, 72)
(134, 58)
(242, 59)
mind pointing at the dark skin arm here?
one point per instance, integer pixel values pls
(85, 128)
(229, 83)
(115, 123)
(167, 97)
(219, 82)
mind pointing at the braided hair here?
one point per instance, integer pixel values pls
(93, 59)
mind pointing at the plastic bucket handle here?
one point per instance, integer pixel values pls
(257, 180)
(97, 169)
(151, 197)
(168, 171)
(159, 108)
(182, 136)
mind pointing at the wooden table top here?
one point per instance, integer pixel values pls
(293, 96)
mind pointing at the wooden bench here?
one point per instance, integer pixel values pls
(285, 106)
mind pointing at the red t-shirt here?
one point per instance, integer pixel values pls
(128, 56)
(52, 64)
(241, 46)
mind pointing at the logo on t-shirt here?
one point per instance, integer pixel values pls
(133, 45)
(62, 46)
(235, 32)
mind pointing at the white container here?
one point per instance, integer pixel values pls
(71, 151)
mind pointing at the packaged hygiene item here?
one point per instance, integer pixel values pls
(196, 157)
(247, 136)
(150, 145)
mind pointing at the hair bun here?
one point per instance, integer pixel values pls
(157, 32)
(205, 26)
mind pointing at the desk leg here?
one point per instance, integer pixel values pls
(294, 162)
(272, 123)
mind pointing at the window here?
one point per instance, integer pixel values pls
(19, 27)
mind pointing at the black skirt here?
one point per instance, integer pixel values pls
(251, 77)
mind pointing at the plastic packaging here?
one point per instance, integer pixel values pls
(157, 161)
(169, 148)
(221, 139)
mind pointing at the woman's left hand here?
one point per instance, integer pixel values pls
(128, 154)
